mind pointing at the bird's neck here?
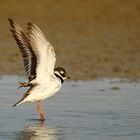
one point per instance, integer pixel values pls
(58, 76)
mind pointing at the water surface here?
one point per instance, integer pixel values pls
(107, 109)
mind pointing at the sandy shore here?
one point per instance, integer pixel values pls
(92, 38)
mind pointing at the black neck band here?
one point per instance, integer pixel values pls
(59, 77)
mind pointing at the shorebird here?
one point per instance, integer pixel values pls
(39, 61)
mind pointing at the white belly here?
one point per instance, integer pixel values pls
(42, 92)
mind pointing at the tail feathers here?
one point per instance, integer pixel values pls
(22, 100)
(19, 102)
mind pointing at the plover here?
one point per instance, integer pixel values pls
(39, 61)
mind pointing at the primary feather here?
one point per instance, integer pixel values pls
(28, 55)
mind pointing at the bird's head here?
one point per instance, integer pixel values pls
(61, 73)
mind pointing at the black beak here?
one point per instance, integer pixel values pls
(68, 77)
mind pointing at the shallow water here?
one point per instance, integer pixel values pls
(107, 109)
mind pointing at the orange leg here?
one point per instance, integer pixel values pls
(39, 108)
(24, 85)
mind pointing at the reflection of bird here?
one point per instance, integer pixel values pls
(39, 133)
(39, 61)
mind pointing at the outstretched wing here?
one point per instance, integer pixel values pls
(44, 52)
(29, 57)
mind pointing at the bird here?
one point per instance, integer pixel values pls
(39, 57)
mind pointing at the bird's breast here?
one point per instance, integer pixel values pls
(44, 91)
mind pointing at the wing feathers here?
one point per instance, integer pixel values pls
(29, 58)
(38, 54)
(43, 50)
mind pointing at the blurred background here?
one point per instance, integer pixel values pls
(92, 38)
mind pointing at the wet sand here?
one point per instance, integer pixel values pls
(92, 39)
(107, 109)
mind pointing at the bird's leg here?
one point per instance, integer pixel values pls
(39, 108)
(24, 85)
(27, 84)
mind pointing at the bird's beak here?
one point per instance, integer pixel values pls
(68, 77)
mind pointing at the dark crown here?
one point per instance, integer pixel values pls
(61, 71)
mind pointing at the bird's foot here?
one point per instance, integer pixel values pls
(24, 85)
(42, 118)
